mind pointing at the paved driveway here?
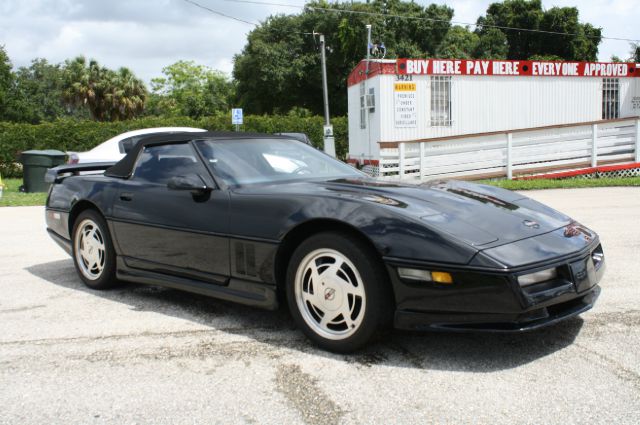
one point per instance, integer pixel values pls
(148, 355)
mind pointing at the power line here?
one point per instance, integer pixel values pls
(242, 20)
(385, 15)
(295, 6)
(239, 19)
(220, 13)
(419, 18)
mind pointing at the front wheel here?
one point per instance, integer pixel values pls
(93, 253)
(337, 291)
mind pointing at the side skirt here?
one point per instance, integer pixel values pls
(237, 290)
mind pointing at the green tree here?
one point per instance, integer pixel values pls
(279, 67)
(6, 82)
(492, 44)
(584, 46)
(462, 43)
(192, 90)
(459, 43)
(126, 95)
(516, 14)
(107, 94)
(635, 52)
(37, 94)
(580, 42)
(545, 58)
(275, 66)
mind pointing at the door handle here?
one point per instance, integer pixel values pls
(126, 196)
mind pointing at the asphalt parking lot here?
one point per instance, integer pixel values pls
(143, 354)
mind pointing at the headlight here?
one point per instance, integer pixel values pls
(537, 277)
(425, 275)
(598, 257)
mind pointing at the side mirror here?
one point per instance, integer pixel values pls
(192, 182)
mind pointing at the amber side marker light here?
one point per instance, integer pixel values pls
(425, 275)
(441, 277)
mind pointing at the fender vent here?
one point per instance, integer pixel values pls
(245, 254)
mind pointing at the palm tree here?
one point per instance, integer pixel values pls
(107, 94)
(127, 95)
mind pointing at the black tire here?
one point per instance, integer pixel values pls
(331, 294)
(106, 277)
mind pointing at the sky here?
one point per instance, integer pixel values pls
(146, 35)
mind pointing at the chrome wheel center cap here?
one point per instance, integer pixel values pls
(332, 297)
(329, 294)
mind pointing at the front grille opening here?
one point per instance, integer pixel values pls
(563, 278)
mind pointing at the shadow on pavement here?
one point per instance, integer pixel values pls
(473, 352)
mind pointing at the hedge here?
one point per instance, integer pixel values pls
(81, 135)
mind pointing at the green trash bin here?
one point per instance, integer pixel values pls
(35, 165)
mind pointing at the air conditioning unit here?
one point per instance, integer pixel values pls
(371, 100)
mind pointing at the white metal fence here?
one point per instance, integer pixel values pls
(513, 153)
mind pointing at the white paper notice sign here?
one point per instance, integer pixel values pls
(405, 104)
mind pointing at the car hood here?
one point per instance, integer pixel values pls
(479, 215)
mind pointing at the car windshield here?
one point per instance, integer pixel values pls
(251, 161)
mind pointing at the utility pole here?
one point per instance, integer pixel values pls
(368, 47)
(366, 91)
(329, 141)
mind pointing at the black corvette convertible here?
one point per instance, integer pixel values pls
(260, 219)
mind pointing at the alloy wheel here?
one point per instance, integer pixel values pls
(330, 294)
(90, 249)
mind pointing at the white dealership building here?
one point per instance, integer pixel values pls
(425, 100)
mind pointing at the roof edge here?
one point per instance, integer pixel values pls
(490, 67)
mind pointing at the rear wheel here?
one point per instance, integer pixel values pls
(337, 291)
(93, 253)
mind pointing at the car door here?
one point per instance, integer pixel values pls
(178, 232)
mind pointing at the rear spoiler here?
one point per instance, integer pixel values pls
(57, 174)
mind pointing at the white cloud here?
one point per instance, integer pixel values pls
(142, 35)
(146, 35)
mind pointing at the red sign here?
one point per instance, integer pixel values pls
(518, 68)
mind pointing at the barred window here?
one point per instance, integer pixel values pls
(610, 98)
(441, 101)
(363, 107)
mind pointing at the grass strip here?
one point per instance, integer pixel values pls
(12, 197)
(563, 184)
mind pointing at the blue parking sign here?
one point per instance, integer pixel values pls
(236, 116)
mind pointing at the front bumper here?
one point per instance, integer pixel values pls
(494, 300)
(527, 321)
